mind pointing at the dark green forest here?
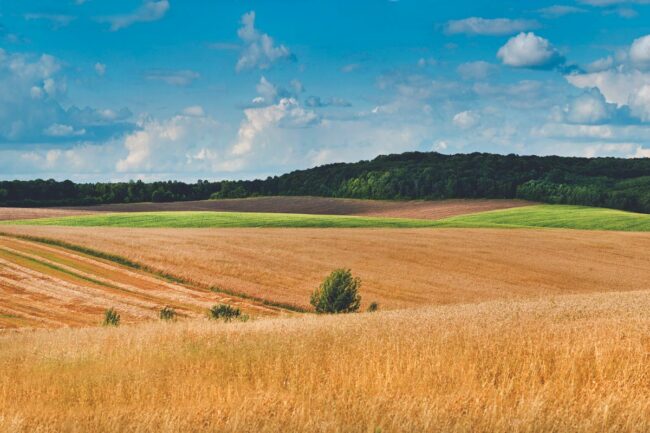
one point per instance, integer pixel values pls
(605, 182)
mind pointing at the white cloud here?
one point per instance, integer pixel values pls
(589, 108)
(640, 52)
(59, 130)
(479, 70)
(100, 69)
(601, 64)
(350, 67)
(57, 20)
(287, 113)
(259, 49)
(151, 10)
(605, 3)
(556, 11)
(640, 103)
(168, 145)
(174, 78)
(527, 50)
(194, 111)
(492, 27)
(617, 86)
(466, 119)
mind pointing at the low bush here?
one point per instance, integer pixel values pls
(167, 313)
(225, 312)
(111, 318)
(373, 307)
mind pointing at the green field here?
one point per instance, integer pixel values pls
(554, 216)
(550, 216)
(200, 219)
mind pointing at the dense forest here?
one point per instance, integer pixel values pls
(607, 182)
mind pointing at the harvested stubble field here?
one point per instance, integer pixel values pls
(19, 213)
(576, 364)
(47, 286)
(321, 206)
(400, 268)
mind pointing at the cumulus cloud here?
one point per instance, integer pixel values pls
(286, 113)
(150, 10)
(31, 88)
(617, 86)
(174, 78)
(168, 145)
(466, 119)
(491, 27)
(260, 51)
(589, 108)
(527, 50)
(640, 52)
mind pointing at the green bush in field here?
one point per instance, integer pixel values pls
(167, 313)
(337, 294)
(373, 307)
(111, 318)
(225, 312)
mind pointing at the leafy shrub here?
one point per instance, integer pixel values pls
(225, 312)
(111, 318)
(167, 313)
(338, 293)
(373, 307)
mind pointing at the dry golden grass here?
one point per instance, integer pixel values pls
(46, 286)
(324, 206)
(400, 268)
(576, 364)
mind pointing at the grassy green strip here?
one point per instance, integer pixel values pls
(63, 270)
(553, 216)
(202, 219)
(134, 265)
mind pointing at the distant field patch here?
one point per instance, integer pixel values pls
(224, 219)
(554, 216)
(538, 216)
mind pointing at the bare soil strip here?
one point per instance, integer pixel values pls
(400, 268)
(48, 286)
(320, 206)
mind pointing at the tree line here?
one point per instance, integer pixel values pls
(606, 182)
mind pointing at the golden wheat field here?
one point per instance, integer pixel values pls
(400, 268)
(564, 364)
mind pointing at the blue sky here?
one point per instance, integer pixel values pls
(171, 89)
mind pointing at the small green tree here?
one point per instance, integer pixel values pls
(167, 313)
(338, 293)
(373, 307)
(111, 318)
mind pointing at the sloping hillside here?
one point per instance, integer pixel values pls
(49, 286)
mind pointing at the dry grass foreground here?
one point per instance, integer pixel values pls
(322, 206)
(45, 286)
(576, 364)
(400, 268)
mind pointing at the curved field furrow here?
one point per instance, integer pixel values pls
(47, 286)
